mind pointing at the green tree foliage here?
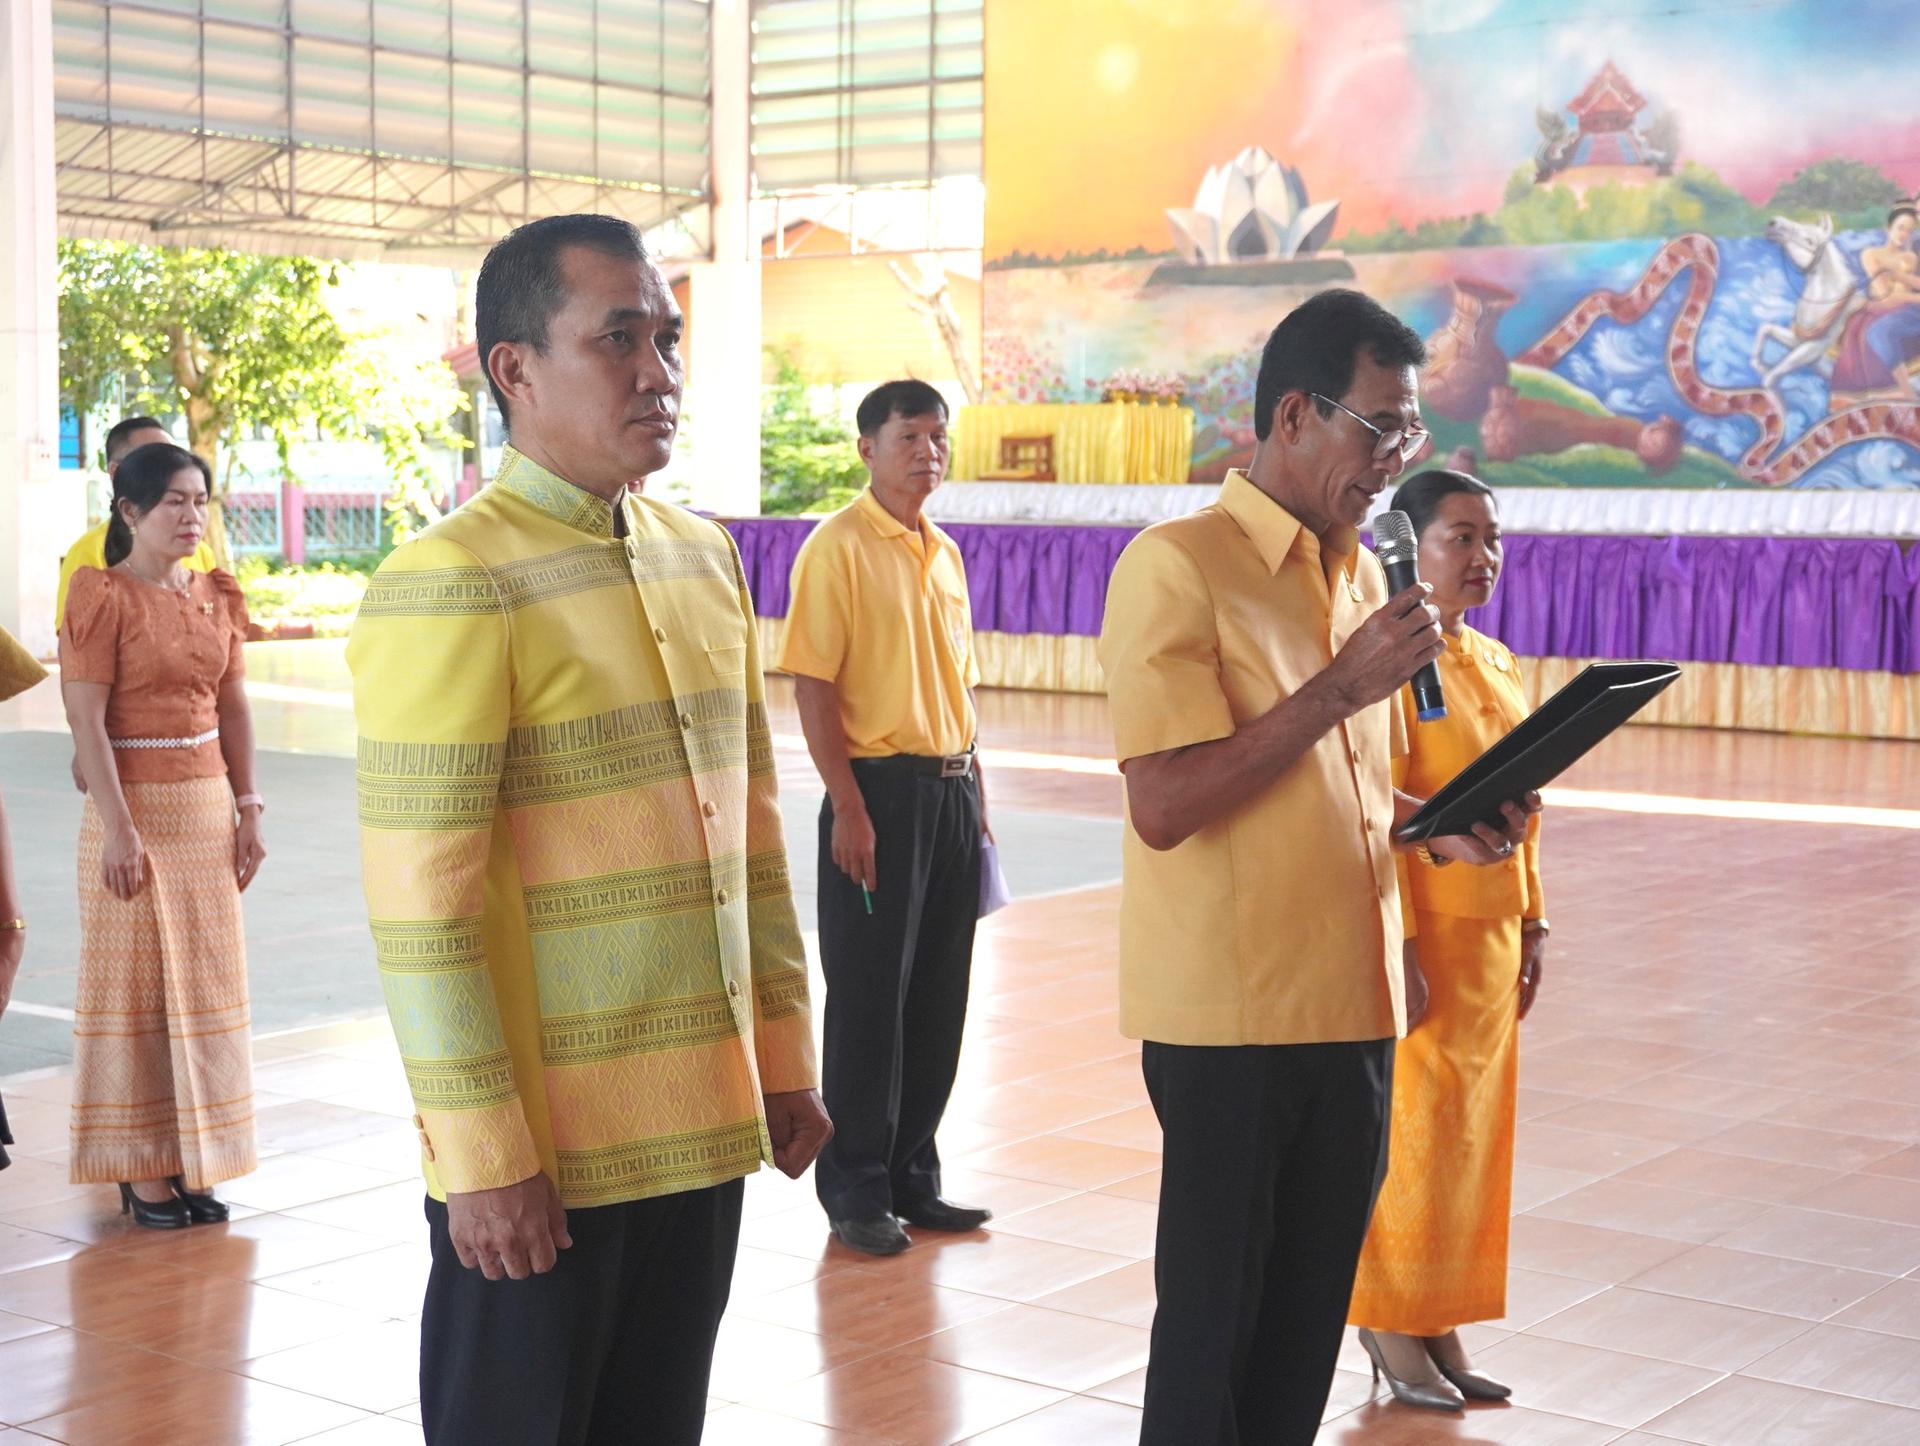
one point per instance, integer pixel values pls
(808, 461)
(1694, 199)
(1017, 260)
(232, 342)
(1854, 193)
(1432, 235)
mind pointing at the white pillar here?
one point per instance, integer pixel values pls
(37, 517)
(723, 382)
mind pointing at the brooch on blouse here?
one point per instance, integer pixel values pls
(207, 608)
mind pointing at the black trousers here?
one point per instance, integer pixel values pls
(613, 1345)
(1274, 1155)
(896, 986)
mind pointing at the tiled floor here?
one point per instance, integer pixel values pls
(1718, 1179)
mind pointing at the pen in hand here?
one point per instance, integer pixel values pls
(866, 898)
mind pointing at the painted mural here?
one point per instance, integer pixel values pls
(1669, 246)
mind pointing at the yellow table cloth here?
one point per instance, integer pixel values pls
(1092, 442)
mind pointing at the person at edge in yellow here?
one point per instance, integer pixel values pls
(879, 640)
(90, 547)
(1252, 657)
(576, 879)
(1436, 1253)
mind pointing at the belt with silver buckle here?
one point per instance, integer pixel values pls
(953, 765)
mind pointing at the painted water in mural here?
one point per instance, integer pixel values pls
(1611, 306)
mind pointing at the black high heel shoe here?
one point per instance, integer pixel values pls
(202, 1209)
(154, 1214)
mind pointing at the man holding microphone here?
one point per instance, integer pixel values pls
(1251, 655)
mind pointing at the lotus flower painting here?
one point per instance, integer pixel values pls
(1251, 208)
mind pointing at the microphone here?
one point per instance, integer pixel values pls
(1394, 544)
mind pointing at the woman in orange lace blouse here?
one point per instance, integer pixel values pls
(151, 673)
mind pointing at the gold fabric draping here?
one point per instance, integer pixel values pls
(1092, 442)
(1840, 702)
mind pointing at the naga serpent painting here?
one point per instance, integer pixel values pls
(1764, 463)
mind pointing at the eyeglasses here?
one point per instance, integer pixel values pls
(1404, 442)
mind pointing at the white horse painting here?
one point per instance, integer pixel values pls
(1830, 297)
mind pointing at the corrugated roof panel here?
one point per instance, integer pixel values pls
(440, 100)
(245, 80)
(333, 85)
(418, 25)
(842, 89)
(488, 116)
(332, 19)
(490, 30)
(255, 12)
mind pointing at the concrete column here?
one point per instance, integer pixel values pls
(723, 381)
(39, 515)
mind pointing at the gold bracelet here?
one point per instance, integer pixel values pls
(1428, 857)
(20, 924)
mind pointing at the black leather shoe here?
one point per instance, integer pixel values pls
(877, 1235)
(202, 1209)
(154, 1214)
(938, 1214)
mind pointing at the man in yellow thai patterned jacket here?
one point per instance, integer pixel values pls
(576, 879)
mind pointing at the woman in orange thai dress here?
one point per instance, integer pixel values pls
(1436, 1254)
(150, 670)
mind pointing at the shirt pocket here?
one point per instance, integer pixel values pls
(728, 660)
(953, 617)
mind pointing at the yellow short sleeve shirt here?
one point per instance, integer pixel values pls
(881, 612)
(1279, 923)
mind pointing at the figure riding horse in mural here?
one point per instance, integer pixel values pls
(1879, 354)
(1866, 346)
(1829, 299)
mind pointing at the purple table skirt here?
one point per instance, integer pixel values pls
(1805, 602)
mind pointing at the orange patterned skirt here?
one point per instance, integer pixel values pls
(1436, 1253)
(163, 1048)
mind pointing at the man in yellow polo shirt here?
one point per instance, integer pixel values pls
(879, 640)
(90, 548)
(1252, 656)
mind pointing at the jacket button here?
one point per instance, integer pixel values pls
(418, 1123)
(709, 808)
(686, 720)
(659, 635)
(733, 988)
(722, 897)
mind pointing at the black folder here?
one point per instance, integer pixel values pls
(1548, 742)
